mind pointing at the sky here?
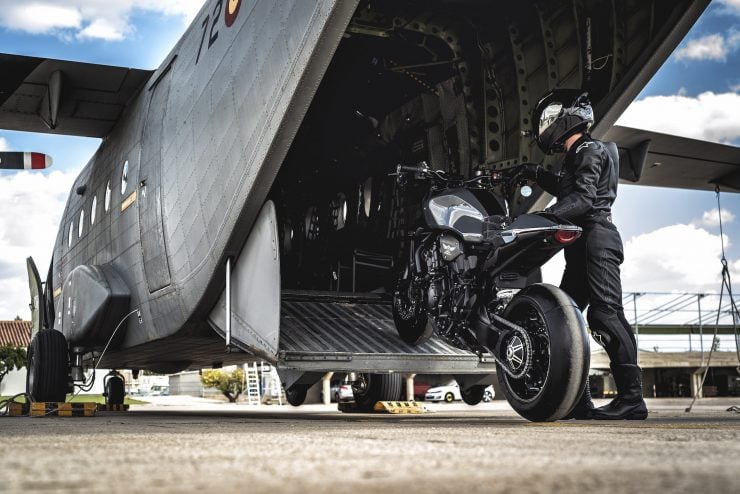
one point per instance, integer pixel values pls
(671, 237)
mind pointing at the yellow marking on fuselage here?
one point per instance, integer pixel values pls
(57, 292)
(129, 201)
(232, 6)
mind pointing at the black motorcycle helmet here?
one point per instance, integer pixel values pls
(558, 115)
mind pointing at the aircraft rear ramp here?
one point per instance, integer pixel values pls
(325, 331)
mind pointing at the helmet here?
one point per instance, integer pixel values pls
(558, 115)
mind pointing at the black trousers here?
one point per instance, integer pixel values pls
(592, 279)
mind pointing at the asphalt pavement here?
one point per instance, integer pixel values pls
(176, 446)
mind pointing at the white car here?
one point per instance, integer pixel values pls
(451, 392)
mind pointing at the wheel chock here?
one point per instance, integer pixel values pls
(43, 409)
(102, 407)
(18, 409)
(398, 407)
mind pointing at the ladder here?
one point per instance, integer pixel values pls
(271, 385)
(251, 374)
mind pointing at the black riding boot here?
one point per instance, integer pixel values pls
(584, 409)
(628, 405)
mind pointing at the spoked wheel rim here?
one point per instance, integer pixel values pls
(531, 385)
(404, 300)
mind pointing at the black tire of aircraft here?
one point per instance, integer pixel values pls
(47, 379)
(378, 387)
(474, 394)
(296, 394)
(560, 342)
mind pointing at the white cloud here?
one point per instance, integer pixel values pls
(710, 47)
(681, 258)
(87, 19)
(677, 258)
(708, 116)
(711, 218)
(31, 205)
(730, 6)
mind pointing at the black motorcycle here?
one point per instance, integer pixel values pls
(460, 280)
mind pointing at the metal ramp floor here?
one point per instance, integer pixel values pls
(327, 331)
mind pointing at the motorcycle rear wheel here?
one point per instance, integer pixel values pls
(411, 320)
(560, 354)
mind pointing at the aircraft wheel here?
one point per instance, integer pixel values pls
(369, 389)
(47, 377)
(474, 394)
(296, 394)
(560, 354)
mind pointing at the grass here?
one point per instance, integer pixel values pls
(85, 398)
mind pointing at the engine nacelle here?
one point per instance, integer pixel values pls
(95, 300)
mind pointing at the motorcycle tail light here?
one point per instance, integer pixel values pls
(566, 236)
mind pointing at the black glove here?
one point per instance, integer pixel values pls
(526, 171)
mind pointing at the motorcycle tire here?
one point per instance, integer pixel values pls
(560, 356)
(412, 323)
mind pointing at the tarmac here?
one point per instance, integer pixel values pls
(181, 445)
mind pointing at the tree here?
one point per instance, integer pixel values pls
(231, 385)
(11, 358)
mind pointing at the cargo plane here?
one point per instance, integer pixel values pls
(239, 206)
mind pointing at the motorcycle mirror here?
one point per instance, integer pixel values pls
(526, 191)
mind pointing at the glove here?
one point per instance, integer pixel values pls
(526, 171)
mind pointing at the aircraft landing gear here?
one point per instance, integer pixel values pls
(115, 388)
(371, 388)
(47, 379)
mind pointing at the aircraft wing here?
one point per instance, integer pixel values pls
(61, 97)
(662, 160)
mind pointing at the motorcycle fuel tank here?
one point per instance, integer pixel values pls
(462, 211)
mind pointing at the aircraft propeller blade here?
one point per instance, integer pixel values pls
(13, 160)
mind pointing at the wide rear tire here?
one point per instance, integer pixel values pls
(47, 377)
(561, 356)
(372, 388)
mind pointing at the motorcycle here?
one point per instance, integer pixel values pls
(460, 278)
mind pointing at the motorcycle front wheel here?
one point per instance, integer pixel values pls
(409, 314)
(560, 355)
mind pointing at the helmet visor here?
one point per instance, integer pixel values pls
(549, 115)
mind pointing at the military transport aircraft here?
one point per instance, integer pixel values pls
(240, 198)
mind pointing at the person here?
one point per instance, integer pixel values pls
(586, 188)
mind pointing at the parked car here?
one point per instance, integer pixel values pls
(344, 393)
(420, 389)
(449, 393)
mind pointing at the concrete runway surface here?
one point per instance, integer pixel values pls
(315, 449)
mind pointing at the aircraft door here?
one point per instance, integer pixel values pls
(38, 308)
(153, 245)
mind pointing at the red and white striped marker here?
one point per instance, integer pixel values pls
(10, 160)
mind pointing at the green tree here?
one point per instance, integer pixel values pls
(11, 358)
(231, 385)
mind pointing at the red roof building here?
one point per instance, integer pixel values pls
(15, 333)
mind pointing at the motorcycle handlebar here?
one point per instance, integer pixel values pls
(420, 168)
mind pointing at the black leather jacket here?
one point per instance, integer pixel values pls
(587, 184)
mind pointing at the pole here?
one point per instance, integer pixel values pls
(701, 329)
(637, 327)
(228, 303)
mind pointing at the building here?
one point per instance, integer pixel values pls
(17, 334)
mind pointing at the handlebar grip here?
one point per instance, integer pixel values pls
(411, 169)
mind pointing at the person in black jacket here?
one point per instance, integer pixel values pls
(586, 188)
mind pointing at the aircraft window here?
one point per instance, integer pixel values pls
(124, 178)
(107, 197)
(93, 209)
(71, 229)
(82, 223)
